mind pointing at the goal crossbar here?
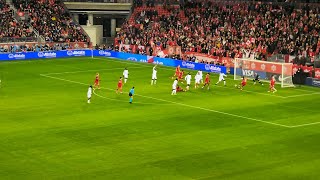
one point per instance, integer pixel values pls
(249, 68)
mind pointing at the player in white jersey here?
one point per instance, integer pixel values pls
(201, 76)
(89, 93)
(174, 87)
(197, 80)
(221, 78)
(154, 75)
(125, 75)
(188, 80)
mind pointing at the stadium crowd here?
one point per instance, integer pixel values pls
(9, 27)
(228, 30)
(34, 47)
(52, 20)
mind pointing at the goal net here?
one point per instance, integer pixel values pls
(248, 68)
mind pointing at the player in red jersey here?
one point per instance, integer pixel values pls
(120, 84)
(177, 73)
(97, 81)
(180, 78)
(243, 83)
(272, 84)
(179, 89)
(207, 81)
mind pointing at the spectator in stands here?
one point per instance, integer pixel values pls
(52, 20)
(253, 30)
(10, 27)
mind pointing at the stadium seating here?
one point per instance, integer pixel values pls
(52, 20)
(9, 27)
(227, 30)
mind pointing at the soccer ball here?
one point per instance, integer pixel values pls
(235, 85)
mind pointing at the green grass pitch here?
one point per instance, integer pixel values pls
(48, 131)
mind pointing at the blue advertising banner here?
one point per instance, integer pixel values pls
(312, 82)
(190, 65)
(13, 56)
(43, 55)
(200, 66)
(112, 54)
(249, 73)
(164, 61)
(104, 53)
(131, 57)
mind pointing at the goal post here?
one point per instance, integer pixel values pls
(249, 67)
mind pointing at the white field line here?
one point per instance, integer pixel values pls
(303, 90)
(265, 94)
(303, 125)
(90, 70)
(166, 68)
(118, 100)
(66, 80)
(181, 104)
(71, 67)
(299, 95)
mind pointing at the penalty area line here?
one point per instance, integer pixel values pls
(301, 95)
(303, 125)
(218, 112)
(253, 92)
(168, 68)
(118, 100)
(181, 104)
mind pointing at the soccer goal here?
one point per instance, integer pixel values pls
(248, 68)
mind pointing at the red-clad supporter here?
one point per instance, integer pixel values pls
(51, 20)
(10, 27)
(249, 30)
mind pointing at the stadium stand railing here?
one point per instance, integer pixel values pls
(17, 47)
